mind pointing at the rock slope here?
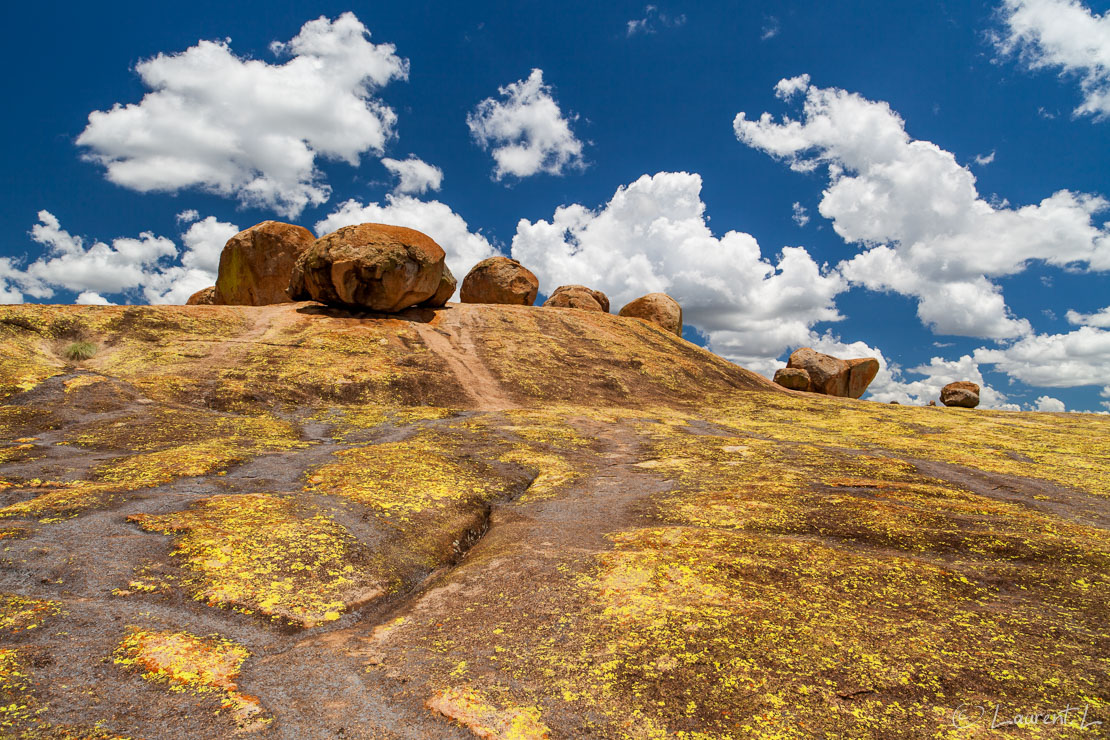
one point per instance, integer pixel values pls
(509, 521)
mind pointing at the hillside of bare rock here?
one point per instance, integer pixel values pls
(504, 521)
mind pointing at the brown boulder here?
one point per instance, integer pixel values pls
(833, 376)
(962, 393)
(255, 264)
(578, 296)
(204, 297)
(658, 308)
(370, 266)
(793, 378)
(500, 280)
(447, 284)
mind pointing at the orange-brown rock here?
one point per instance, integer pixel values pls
(447, 285)
(962, 393)
(658, 308)
(793, 378)
(204, 297)
(370, 266)
(256, 263)
(578, 296)
(500, 280)
(833, 376)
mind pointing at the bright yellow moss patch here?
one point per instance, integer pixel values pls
(18, 613)
(257, 553)
(187, 663)
(475, 712)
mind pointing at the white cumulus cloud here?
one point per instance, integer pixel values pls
(1065, 35)
(1080, 357)
(526, 130)
(464, 247)
(915, 210)
(1048, 403)
(247, 129)
(652, 236)
(147, 264)
(1101, 319)
(415, 176)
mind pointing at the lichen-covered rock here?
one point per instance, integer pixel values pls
(370, 266)
(256, 263)
(500, 280)
(962, 393)
(447, 284)
(658, 308)
(204, 297)
(831, 375)
(578, 296)
(793, 378)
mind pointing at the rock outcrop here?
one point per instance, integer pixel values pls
(962, 393)
(793, 378)
(370, 266)
(256, 263)
(657, 308)
(500, 280)
(447, 285)
(831, 375)
(204, 297)
(578, 296)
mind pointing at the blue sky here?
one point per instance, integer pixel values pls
(927, 187)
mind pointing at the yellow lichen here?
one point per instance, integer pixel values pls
(476, 713)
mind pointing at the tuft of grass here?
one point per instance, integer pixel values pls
(79, 351)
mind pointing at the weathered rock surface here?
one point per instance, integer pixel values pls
(447, 285)
(204, 297)
(659, 309)
(256, 263)
(500, 280)
(831, 375)
(370, 266)
(962, 393)
(794, 378)
(578, 296)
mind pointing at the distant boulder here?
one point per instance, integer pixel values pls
(831, 375)
(374, 267)
(578, 296)
(447, 285)
(204, 297)
(500, 280)
(962, 393)
(659, 309)
(255, 264)
(794, 378)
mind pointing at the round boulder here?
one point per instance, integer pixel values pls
(793, 378)
(500, 280)
(374, 267)
(578, 296)
(447, 284)
(659, 309)
(204, 297)
(255, 264)
(962, 393)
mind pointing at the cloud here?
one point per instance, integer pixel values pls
(984, 159)
(652, 21)
(250, 130)
(1066, 35)
(1101, 319)
(415, 175)
(770, 29)
(652, 236)
(88, 298)
(526, 131)
(1081, 357)
(126, 266)
(924, 229)
(799, 214)
(464, 248)
(187, 216)
(1048, 403)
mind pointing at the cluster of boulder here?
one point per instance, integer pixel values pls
(387, 269)
(815, 372)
